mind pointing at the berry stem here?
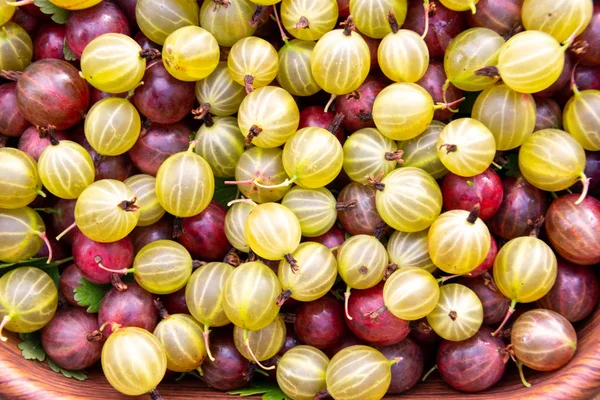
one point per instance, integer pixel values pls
(335, 124)
(348, 26)
(448, 106)
(155, 395)
(396, 360)
(249, 201)
(123, 271)
(302, 23)
(252, 133)
(521, 375)
(3, 323)
(395, 156)
(510, 312)
(289, 258)
(393, 22)
(248, 83)
(284, 37)
(472, 7)
(443, 279)
(574, 87)
(450, 148)
(346, 299)
(113, 325)
(206, 335)
(285, 183)
(44, 237)
(427, 9)
(331, 99)
(495, 164)
(41, 193)
(94, 336)
(283, 297)
(247, 346)
(63, 233)
(429, 372)
(162, 311)
(474, 214)
(345, 205)
(585, 181)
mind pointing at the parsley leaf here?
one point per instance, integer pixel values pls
(269, 390)
(90, 294)
(79, 375)
(59, 15)
(69, 56)
(224, 193)
(31, 346)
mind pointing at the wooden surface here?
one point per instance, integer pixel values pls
(579, 380)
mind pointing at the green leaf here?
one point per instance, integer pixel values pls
(69, 56)
(511, 168)
(224, 193)
(31, 346)
(79, 375)
(269, 390)
(90, 294)
(59, 15)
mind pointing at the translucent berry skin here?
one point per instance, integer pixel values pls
(146, 357)
(543, 340)
(301, 372)
(410, 201)
(509, 115)
(227, 24)
(362, 261)
(115, 255)
(403, 293)
(112, 63)
(501, 17)
(162, 267)
(467, 52)
(20, 232)
(220, 90)
(357, 107)
(182, 339)
(342, 383)
(272, 231)
(371, 321)
(455, 361)
(332, 56)
(363, 218)
(204, 234)
(410, 250)
(190, 53)
(421, 151)
(581, 116)
(85, 25)
(515, 61)
(525, 279)
(574, 294)
(370, 16)
(573, 17)
(551, 160)
(485, 189)
(316, 274)
(69, 280)
(313, 156)
(255, 57)
(468, 312)
(16, 44)
(29, 298)
(162, 98)
(474, 147)
(402, 111)
(522, 202)
(12, 122)
(57, 85)
(185, 184)
(495, 304)
(250, 294)
(132, 307)
(203, 293)
(157, 20)
(574, 229)
(320, 323)
(65, 339)
(265, 343)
